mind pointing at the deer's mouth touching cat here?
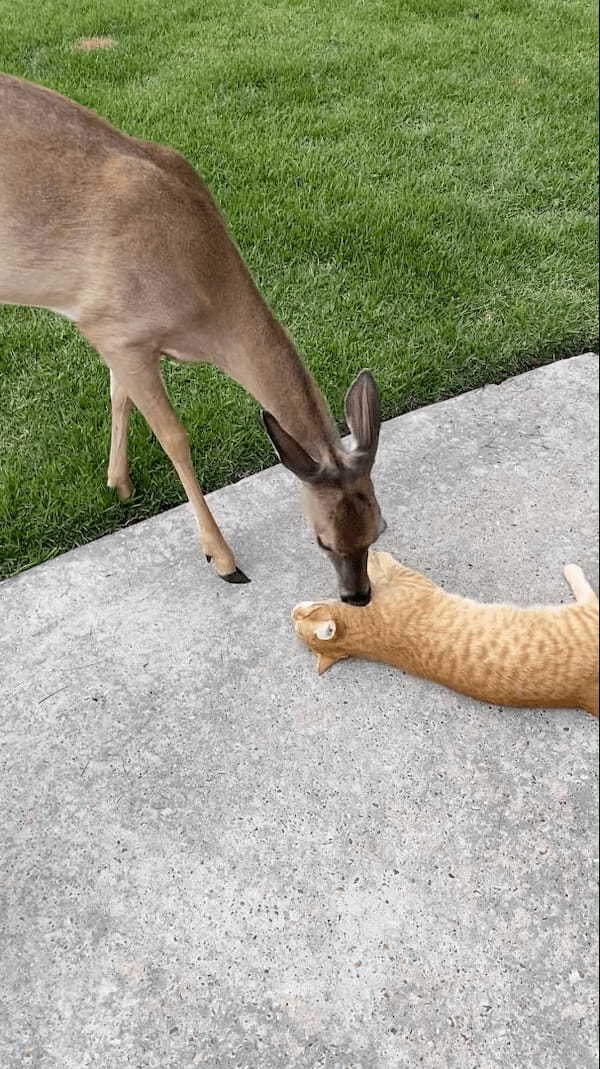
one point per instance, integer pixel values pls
(501, 654)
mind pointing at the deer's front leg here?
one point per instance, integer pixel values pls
(118, 468)
(137, 377)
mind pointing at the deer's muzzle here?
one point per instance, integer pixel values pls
(353, 580)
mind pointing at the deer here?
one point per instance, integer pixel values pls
(123, 237)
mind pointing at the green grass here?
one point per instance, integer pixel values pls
(411, 183)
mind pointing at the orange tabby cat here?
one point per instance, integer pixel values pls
(497, 653)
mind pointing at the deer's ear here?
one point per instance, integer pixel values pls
(363, 414)
(290, 453)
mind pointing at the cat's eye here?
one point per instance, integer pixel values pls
(323, 546)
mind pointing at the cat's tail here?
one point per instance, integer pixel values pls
(582, 591)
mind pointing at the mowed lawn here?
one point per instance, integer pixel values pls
(412, 185)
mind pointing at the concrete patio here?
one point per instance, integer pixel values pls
(212, 857)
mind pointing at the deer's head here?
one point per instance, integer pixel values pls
(339, 500)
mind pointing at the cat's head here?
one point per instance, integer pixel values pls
(334, 630)
(323, 626)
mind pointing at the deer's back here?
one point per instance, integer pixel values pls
(41, 123)
(79, 198)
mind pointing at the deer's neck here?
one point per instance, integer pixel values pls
(267, 365)
(290, 393)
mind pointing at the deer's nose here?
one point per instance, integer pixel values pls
(353, 579)
(357, 599)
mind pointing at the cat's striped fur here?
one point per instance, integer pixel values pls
(500, 654)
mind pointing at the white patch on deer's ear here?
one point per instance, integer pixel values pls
(325, 630)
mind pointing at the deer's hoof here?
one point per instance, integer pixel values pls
(235, 577)
(125, 491)
(123, 488)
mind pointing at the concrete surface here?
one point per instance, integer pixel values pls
(212, 857)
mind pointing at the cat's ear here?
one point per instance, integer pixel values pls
(324, 662)
(325, 630)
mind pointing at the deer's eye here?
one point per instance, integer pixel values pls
(323, 546)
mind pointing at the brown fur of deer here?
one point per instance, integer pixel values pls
(501, 654)
(123, 237)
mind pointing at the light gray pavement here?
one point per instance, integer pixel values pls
(212, 857)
